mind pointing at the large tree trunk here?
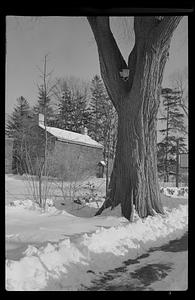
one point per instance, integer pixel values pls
(134, 179)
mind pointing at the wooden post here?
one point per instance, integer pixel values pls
(177, 164)
(107, 163)
(166, 151)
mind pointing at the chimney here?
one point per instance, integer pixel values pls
(84, 130)
(41, 119)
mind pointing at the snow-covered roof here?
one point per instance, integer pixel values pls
(102, 162)
(72, 137)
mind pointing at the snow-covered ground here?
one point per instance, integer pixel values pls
(163, 269)
(73, 261)
(55, 250)
(181, 192)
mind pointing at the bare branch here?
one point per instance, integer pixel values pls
(111, 59)
(179, 83)
(51, 89)
(40, 70)
(185, 109)
(160, 29)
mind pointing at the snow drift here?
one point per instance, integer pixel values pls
(71, 264)
(29, 204)
(181, 192)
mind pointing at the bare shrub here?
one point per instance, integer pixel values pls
(71, 176)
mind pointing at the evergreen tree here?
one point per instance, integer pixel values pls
(166, 155)
(103, 123)
(81, 115)
(17, 127)
(98, 107)
(18, 118)
(72, 113)
(174, 131)
(44, 107)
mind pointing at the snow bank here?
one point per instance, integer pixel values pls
(175, 192)
(29, 204)
(95, 204)
(67, 265)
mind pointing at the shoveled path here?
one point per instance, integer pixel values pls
(160, 269)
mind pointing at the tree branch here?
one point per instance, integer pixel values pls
(165, 28)
(111, 59)
(185, 109)
(155, 28)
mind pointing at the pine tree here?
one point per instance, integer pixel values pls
(166, 155)
(103, 123)
(17, 119)
(174, 131)
(44, 107)
(73, 113)
(64, 109)
(98, 107)
(81, 115)
(17, 127)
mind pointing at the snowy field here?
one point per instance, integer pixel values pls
(60, 249)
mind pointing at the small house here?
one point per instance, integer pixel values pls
(72, 155)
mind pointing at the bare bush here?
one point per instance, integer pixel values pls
(70, 177)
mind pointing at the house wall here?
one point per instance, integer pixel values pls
(8, 154)
(73, 161)
(38, 149)
(35, 151)
(65, 159)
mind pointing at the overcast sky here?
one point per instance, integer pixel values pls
(72, 51)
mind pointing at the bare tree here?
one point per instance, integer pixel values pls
(75, 84)
(46, 88)
(180, 83)
(134, 177)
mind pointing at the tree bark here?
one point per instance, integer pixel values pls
(134, 179)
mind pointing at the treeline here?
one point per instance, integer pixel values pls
(70, 105)
(173, 132)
